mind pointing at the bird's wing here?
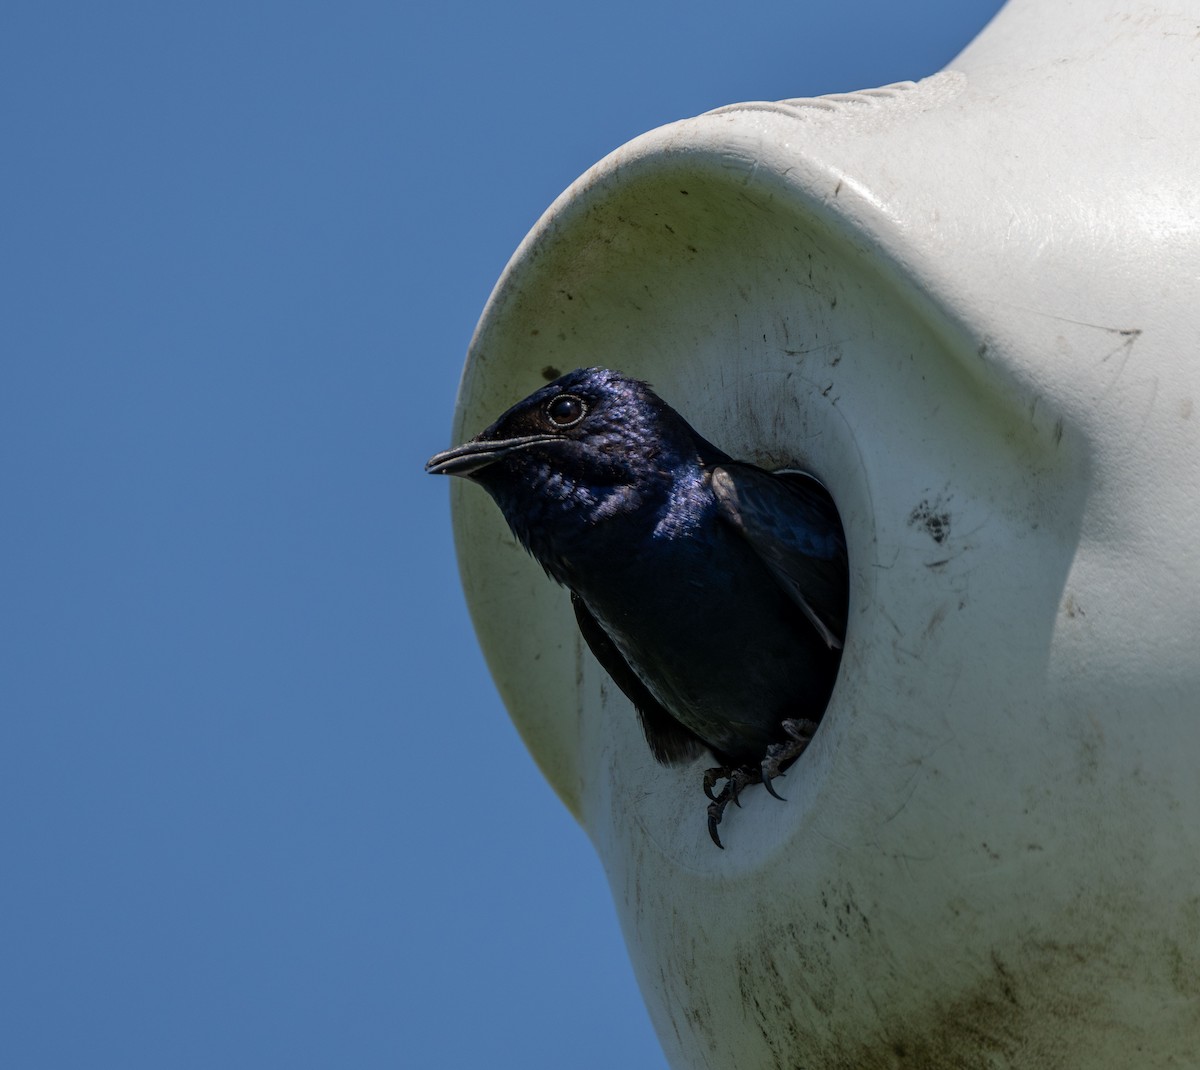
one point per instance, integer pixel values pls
(790, 521)
(669, 740)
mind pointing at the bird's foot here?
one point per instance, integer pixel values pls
(780, 755)
(736, 778)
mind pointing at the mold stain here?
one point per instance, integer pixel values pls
(988, 1027)
(932, 519)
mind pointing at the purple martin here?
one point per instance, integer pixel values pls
(712, 591)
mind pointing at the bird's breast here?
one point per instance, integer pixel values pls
(709, 632)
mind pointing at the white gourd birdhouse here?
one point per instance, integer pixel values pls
(971, 305)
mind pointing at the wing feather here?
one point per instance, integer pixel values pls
(791, 522)
(670, 741)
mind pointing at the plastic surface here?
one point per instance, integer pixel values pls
(970, 306)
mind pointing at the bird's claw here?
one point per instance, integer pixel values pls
(736, 778)
(715, 809)
(768, 776)
(780, 755)
(711, 776)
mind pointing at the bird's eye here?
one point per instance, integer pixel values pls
(566, 410)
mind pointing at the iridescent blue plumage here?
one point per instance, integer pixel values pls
(712, 591)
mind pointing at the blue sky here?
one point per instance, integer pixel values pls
(259, 803)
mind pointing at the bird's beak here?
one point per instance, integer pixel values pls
(476, 454)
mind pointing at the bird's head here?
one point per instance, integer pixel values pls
(592, 445)
(592, 426)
